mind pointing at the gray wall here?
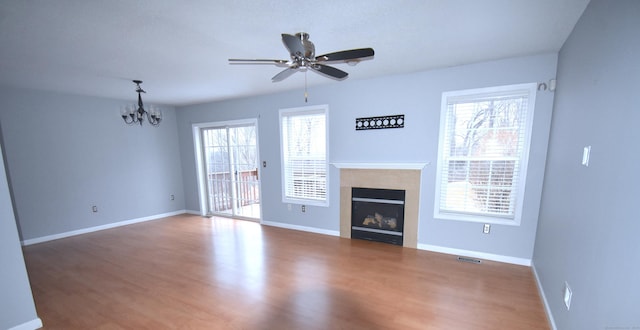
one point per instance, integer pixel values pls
(588, 227)
(66, 153)
(16, 303)
(418, 96)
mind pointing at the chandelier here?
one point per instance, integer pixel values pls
(133, 115)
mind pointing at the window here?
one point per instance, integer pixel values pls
(483, 153)
(303, 139)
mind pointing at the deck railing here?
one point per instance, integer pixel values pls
(221, 186)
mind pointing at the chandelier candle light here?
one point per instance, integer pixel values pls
(131, 115)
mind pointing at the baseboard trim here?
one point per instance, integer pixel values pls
(475, 254)
(31, 325)
(194, 212)
(98, 228)
(547, 308)
(302, 228)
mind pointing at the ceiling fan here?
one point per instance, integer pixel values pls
(303, 57)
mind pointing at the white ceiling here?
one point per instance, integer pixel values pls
(180, 48)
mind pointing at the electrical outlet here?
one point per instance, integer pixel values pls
(487, 228)
(567, 295)
(304, 208)
(94, 209)
(172, 197)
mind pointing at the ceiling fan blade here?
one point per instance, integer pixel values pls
(293, 44)
(283, 74)
(329, 71)
(346, 55)
(258, 61)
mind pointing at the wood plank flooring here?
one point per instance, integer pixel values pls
(190, 272)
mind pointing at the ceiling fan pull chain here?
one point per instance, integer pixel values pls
(305, 87)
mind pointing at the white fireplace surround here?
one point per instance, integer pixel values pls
(402, 176)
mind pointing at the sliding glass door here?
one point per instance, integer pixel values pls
(229, 159)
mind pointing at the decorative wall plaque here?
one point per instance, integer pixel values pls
(392, 121)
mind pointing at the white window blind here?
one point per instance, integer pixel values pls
(483, 152)
(304, 155)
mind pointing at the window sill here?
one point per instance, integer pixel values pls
(477, 219)
(306, 202)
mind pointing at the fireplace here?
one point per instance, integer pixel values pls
(397, 176)
(378, 215)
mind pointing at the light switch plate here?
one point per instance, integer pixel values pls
(567, 295)
(585, 155)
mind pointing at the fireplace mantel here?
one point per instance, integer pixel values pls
(381, 166)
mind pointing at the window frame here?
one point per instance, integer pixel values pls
(477, 95)
(289, 112)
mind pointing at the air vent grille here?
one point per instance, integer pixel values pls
(471, 260)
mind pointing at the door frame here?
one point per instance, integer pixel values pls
(200, 170)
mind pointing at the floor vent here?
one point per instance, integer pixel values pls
(471, 260)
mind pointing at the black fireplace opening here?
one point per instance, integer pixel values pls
(377, 215)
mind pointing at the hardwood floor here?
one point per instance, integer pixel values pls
(190, 272)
